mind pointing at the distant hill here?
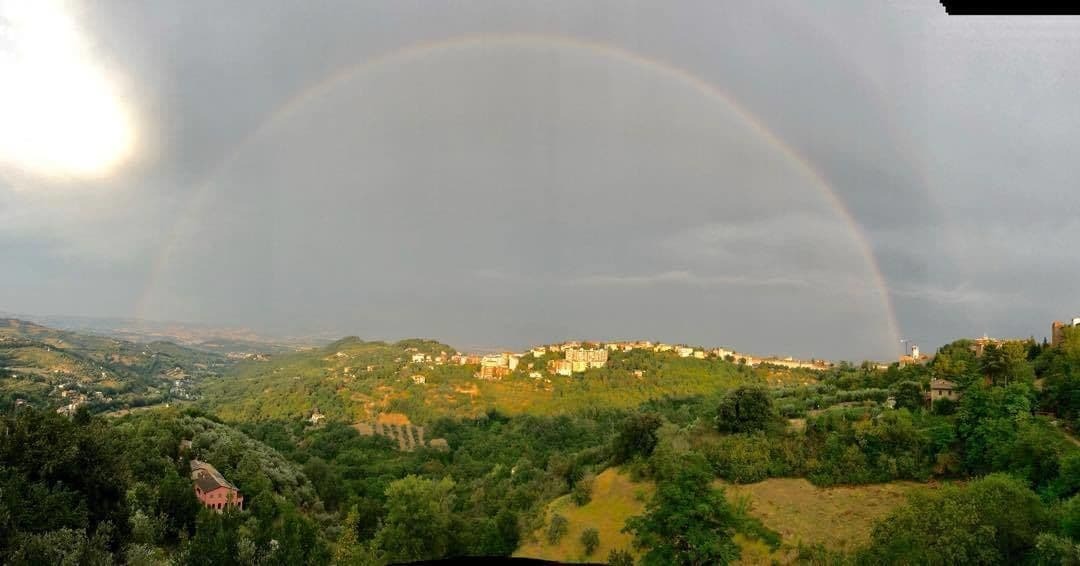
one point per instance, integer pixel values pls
(47, 367)
(354, 381)
(200, 336)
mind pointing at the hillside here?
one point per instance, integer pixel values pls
(830, 471)
(615, 498)
(354, 381)
(837, 519)
(210, 338)
(53, 368)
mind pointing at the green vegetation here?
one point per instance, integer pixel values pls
(353, 381)
(90, 490)
(695, 461)
(48, 368)
(590, 539)
(556, 529)
(687, 521)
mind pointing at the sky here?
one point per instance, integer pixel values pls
(815, 181)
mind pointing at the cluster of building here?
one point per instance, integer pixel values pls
(577, 357)
(438, 359)
(254, 356)
(75, 398)
(578, 360)
(570, 357)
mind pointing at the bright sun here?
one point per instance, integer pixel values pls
(60, 114)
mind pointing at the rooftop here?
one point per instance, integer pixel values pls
(207, 477)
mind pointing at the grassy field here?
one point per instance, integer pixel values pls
(840, 518)
(615, 498)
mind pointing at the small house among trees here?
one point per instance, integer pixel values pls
(212, 489)
(942, 389)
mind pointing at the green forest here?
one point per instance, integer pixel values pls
(1001, 466)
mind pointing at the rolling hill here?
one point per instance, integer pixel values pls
(47, 367)
(352, 380)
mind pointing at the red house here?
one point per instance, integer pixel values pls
(212, 489)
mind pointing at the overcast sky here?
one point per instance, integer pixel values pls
(499, 174)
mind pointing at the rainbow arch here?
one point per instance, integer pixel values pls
(429, 48)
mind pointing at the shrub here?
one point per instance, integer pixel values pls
(619, 557)
(582, 492)
(637, 437)
(556, 529)
(944, 407)
(741, 458)
(995, 519)
(1070, 518)
(590, 539)
(746, 409)
(1052, 549)
(909, 395)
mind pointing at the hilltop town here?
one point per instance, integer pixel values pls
(574, 356)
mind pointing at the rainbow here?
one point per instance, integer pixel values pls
(432, 48)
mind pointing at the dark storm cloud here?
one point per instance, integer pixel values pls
(449, 213)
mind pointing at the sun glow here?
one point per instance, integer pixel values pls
(60, 113)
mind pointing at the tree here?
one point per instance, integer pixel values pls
(1070, 518)
(908, 395)
(1053, 549)
(590, 539)
(348, 546)
(64, 546)
(350, 551)
(944, 406)
(955, 362)
(687, 521)
(748, 408)
(214, 541)
(418, 519)
(992, 520)
(509, 534)
(299, 540)
(636, 437)
(326, 482)
(177, 501)
(557, 527)
(994, 364)
(582, 492)
(987, 423)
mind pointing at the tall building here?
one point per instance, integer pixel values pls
(1057, 330)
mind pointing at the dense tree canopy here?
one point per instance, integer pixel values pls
(746, 409)
(687, 522)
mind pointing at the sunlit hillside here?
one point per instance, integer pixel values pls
(45, 367)
(352, 380)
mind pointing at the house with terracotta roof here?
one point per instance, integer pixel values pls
(212, 489)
